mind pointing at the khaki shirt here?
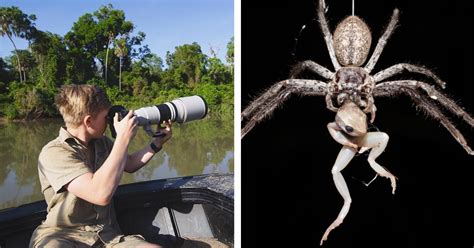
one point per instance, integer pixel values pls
(60, 161)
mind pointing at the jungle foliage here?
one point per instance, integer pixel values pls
(102, 49)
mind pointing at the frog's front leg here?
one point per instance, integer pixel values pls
(340, 136)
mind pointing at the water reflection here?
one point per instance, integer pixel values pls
(199, 147)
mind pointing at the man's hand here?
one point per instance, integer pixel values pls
(127, 127)
(164, 134)
(138, 159)
(99, 187)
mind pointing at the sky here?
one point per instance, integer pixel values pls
(166, 23)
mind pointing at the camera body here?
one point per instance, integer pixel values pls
(181, 110)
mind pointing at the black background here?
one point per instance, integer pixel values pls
(289, 198)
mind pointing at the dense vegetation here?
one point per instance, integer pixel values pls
(101, 49)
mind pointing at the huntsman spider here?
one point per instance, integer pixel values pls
(350, 91)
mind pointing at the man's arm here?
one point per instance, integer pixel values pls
(140, 158)
(99, 187)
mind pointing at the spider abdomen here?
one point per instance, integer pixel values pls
(352, 39)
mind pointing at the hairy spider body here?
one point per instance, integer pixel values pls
(352, 39)
(354, 84)
(350, 92)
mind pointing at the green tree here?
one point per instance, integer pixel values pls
(154, 64)
(94, 32)
(134, 80)
(28, 62)
(30, 102)
(13, 22)
(217, 72)
(51, 58)
(82, 49)
(187, 63)
(121, 50)
(5, 75)
(230, 53)
(112, 23)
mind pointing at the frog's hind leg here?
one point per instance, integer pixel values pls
(377, 141)
(343, 158)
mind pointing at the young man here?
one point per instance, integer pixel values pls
(80, 170)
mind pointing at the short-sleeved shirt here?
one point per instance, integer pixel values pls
(60, 161)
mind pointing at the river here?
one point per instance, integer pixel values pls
(199, 147)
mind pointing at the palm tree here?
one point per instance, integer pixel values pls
(111, 37)
(13, 22)
(121, 50)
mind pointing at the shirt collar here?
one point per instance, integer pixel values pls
(66, 136)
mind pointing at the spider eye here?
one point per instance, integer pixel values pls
(349, 129)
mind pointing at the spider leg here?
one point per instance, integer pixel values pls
(263, 100)
(263, 106)
(382, 41)
(313, 67)
(426, 105)
(399, 68)
(371, 108)
(434, 94)
(329, 103)
(343, 158)
(327, 35)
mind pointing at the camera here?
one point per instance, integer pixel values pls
(181, 110)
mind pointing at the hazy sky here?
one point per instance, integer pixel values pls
(166, 23)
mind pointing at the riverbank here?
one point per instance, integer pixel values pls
(4, 120)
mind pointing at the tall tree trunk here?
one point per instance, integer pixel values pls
(17, 57)
(120, 74)
(106, 60)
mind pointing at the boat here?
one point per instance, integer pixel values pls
(191, 211)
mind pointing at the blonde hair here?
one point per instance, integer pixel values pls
(74, 102)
